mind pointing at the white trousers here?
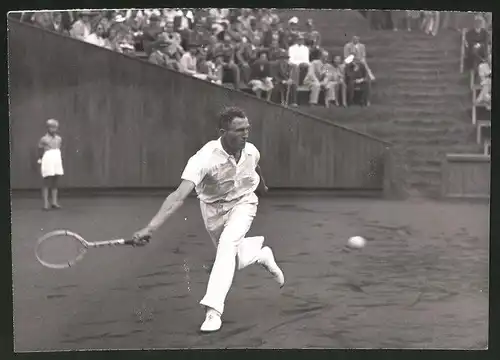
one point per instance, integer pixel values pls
(227, 224)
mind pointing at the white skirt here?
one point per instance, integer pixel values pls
(52, 163)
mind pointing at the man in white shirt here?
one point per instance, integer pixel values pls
(299, 59)
(225, 174)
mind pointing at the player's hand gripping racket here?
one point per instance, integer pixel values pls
(61, 249)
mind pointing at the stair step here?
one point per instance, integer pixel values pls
(425, 71)
(418, 134)
(427, 76)
(436, 63)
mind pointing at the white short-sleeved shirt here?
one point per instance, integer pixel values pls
(218, 177)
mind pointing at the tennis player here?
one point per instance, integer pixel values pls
(225, 174)
(51, 166)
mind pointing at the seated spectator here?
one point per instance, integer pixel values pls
(298, 58)
(291, 33)
(339, 68)
(188, 63)
(334, 83)
(82, 27)
(120, 38)
(56, 24)
(213, 71)
(282, 76)
(172, 40)
(136, 20)
(261, 78)
(231, 70)
(484, 70)
(357, 79)
(413, 19)
(314, 78)
(151, 33)
(163, 56)
(98, 37)
(358, 50)
(312, 37)
(274, 33)
(42, 19)
(198, 35)
(274, 51)
(244, 57)
(476, 43)
(312, 40)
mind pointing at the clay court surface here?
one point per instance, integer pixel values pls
(421, 282)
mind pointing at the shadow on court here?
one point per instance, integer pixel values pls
(421, 281)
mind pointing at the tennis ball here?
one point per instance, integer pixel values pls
(356, 242)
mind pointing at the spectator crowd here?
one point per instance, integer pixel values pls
(246, 49)
(255, 50)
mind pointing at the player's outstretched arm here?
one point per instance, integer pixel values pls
(173, 202)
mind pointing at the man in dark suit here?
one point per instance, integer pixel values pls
(284, 84)
(261, 77)
(357, 79)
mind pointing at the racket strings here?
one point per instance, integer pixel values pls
(60, 251)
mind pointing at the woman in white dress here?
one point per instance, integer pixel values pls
(50, 161)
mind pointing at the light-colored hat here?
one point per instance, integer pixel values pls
(293, 20)
(189, 15)
(349, 59)
(119, 18)
(52, 122)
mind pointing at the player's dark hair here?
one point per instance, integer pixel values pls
(227, 115)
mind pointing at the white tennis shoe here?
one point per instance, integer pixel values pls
(212, 321)
(269, 263)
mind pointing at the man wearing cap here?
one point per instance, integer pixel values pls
(291, 33)
(282, 79)
(82, 27)
(358, 50)
(298, 55)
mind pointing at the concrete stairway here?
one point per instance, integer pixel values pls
(420, 101)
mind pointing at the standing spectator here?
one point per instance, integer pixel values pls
(356, 48)
(188, 63)
(476, 43)
(376, 19)
(397, 18)
(283, 80)
(413, 19)
(484, 71)
(299, 59)
(430, 24)
(82, 28)
(97, 38)
(261, 76)
(314, 78)
(357, 79)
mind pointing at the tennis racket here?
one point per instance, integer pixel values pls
(61, 249)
